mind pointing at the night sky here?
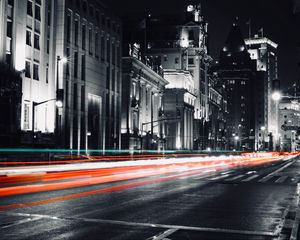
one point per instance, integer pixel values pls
(275, 16)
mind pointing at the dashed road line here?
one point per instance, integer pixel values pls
(162, 236)
(281, 179)
(219, 177)
(235, 178)
(266, 178)
(250, 178)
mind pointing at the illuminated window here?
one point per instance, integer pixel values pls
(35, 71)
(28, 38)
(243, 83)
(26, 116)
(27, 69)
(29, 8)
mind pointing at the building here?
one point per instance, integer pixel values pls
(179, 103)
(237, 71)
(264, 52)
(39, 38)
(143, 87)
(181, 43)
(289, 124)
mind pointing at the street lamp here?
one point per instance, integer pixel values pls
(276, 96)
(59, 98)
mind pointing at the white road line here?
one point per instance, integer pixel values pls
(235, 178)
(281, 179)
(219, 177)
(266, 178)
(31, 219)
(161, 236)
(152, 225)
(250, 178)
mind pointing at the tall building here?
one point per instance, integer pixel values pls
(181, 43)
(41, 34)
(264, 52)
(237, 71)
(143, 88)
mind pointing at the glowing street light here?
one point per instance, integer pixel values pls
(276, 96)
(262, 128)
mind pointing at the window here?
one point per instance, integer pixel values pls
(84, 6)
(36, 41)
(90, 41)
(82, 98)
(176, 60)
(48, 45)
(29, 8)
(91, 11)
(47, 75)
(103, 20)
(35, 71)
(165, 58)
(68, 28)
(113, 49)
(28, 38)
(27, 69)
(75, 64)
(76, 32)
(97, 45)
(38, 12)
(108, 50)
(26, 116)
(102, 48)
(191, 61)
(9, 28)
(68, 64)
(83, 37)
(243, 83)
(83, 67)
(75, 97)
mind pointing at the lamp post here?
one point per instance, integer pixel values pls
(276, 96)
(34, 105)
(263, 129)
(59, 95)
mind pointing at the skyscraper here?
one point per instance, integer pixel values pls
(264, 52)
(237, 71)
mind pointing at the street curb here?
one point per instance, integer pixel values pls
(297, 217)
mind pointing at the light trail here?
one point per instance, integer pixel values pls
(59, 177)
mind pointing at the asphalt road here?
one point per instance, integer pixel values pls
(253, 203)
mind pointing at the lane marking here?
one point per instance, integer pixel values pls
(266, 178)
(235, 178)
(250, 178)
(219, 177)
(152, 225)
(162, 236)
(281, 179)
(31, 219)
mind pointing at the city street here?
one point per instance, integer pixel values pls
(253, 202)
